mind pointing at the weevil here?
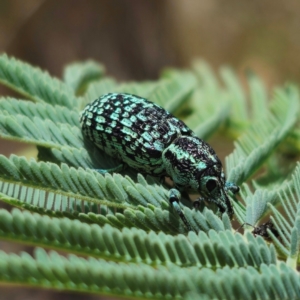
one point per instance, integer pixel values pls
(262, 230)
(149, 139)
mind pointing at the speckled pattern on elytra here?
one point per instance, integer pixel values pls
(146, 137)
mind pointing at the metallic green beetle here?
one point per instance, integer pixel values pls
(149, 139)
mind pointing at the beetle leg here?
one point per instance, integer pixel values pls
(174, 197)
(117, 169)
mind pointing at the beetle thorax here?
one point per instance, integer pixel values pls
(187, 158)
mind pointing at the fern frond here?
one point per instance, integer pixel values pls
(66, 187)
(79, 75)
(137, 245)
(237, 97)
(206, 78)
(232, 93)
(212, 250)
(98, 211)
(55, 113)
(109, 85)
(89, 157)
(57, 204)
(148, 217)
(257, 202)
(257, 144)
(143, 89)
(34, 84)
(143, 281)
(207, 117)
(288, 224)
(79, 184)
(61, 191)
(97, 89)
(173, 89)
(37, 131)
(258, 97)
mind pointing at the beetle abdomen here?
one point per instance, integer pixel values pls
(133, 129)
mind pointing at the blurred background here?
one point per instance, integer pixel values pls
(136, 39)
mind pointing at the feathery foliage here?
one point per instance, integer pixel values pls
(79, 75)
(122, 237)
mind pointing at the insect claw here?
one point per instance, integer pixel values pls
(196, 204)
(229, 186)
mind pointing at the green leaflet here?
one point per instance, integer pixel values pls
(216, 94)
(99, 276)
(41, 124)
(78, 184)
(256, 203)
(55, 113)
(170, 91)
(173, 89)
(35, 84)
(102, 212)
(79, 75)
(257, 144)
(236, 95)
(98, 88)
(258, 97)
(40, 132)
(143, 89)
(208, 116)
(202, 251)
(64, 190)
(288, 227)
(130, 243)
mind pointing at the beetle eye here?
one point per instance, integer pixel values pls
(211, 185)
